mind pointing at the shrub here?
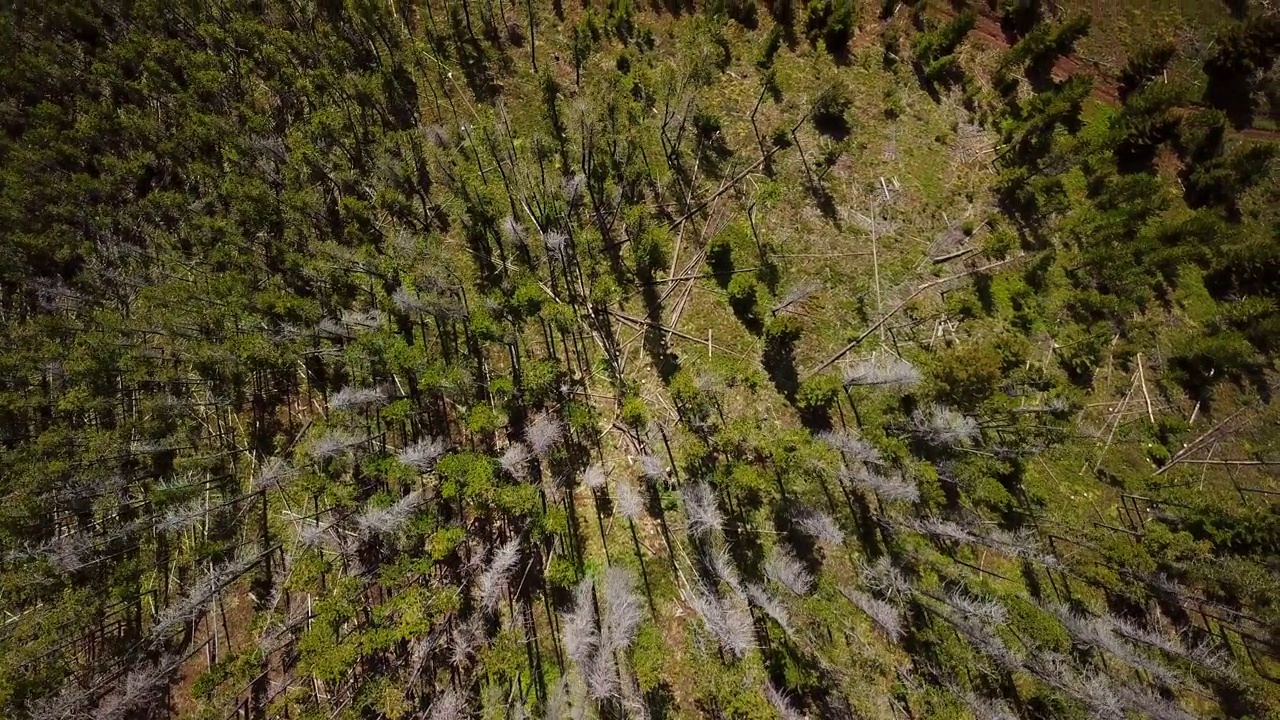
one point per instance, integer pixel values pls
(634, 413)
(830, 111)
(1145, 64)
(967, 375)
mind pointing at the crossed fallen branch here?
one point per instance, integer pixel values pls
(916, 293)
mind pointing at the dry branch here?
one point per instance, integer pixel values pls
(876, 325)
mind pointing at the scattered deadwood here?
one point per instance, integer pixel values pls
(1231, 462)
(1181, 455)
(723, 189)
(1115, 424)
(916, 293)
(953, 255)
(700, 276)
(1143, 378)
(641, 322)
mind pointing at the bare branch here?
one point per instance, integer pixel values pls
(423, 454)
(884, 615)
(786, 711)
(515, 461)
(885, 371)
(494, 580)
(544, 434)
(388, 520)
(783, 568)
(627, 501)
(353, 398)
(702, 515)
(595, 476)
(941, 426)
(729, 624)
(851, 446)
(821, 527)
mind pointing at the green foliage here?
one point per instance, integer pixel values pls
(771, 47)
(649, 251)
(778, 357)
(1020, 16)
(634, 413)
(1146, 121)
(1201, 360)
(930, 47)
(967, 375)
(815, 399)
(831, 110)
(1220, 181)
(832, 22)
(467, 474)
(540, 380)
(1241, 51)
(220, 216)
(1146, 64)
(649, 657)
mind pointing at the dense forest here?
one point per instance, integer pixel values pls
(474, 359)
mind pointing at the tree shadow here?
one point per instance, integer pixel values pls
(655, 341)
(660, 701)
(474, 60)
(778, 356)
(825, 201)
(925, 83)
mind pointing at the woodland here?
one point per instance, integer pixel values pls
(500, 359)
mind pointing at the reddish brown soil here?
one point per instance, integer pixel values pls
(1105, 87)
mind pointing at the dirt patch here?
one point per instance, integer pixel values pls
(1105, 89)
(988, 30)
